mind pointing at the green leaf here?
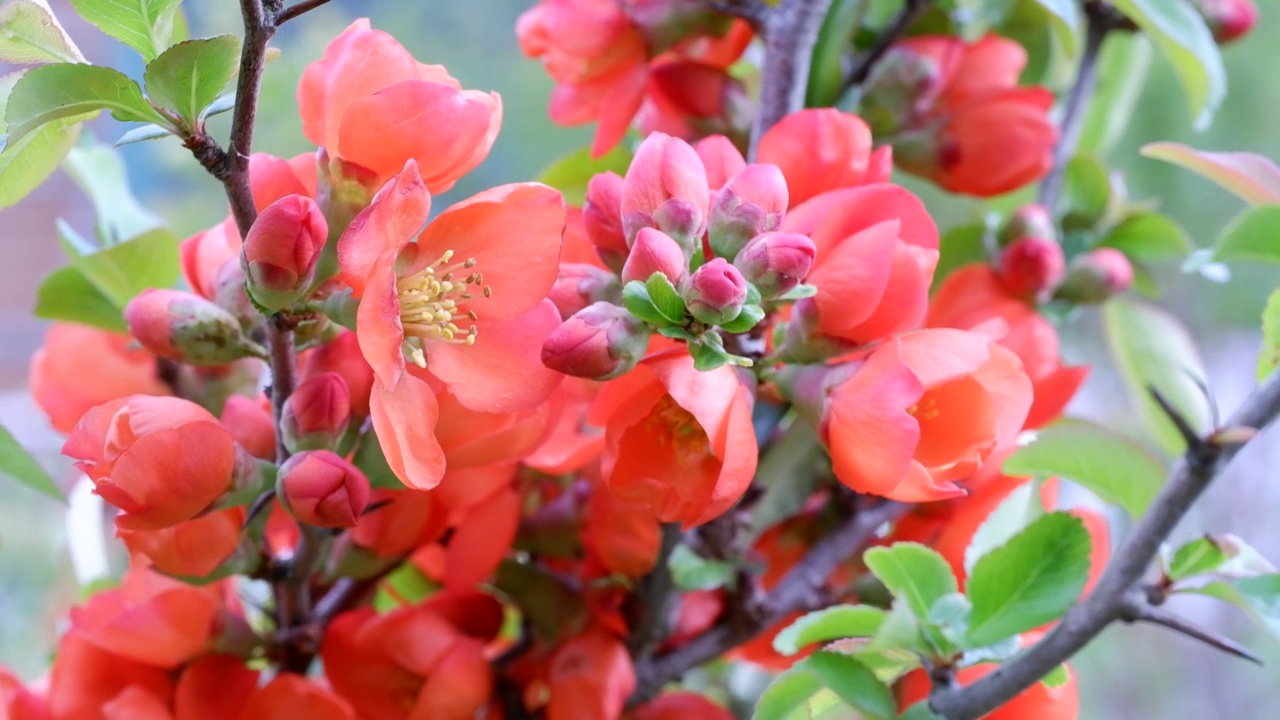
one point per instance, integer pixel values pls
(691, 571)
(17, 463)
(54, 92)
(571, 173)
(142, 134)
(65, 294)
(788, 474)
(709, 356)
(1151, 348)
(144, 25)
(30, 33)
(1085, 192)
(1180, 33)
(189, 76)
(1123, 66)
(958, 247)
(1269, 355)
(913, 572)
(1252, 178)
(835, 37)
(750, 316)
(665, 298)
(786, 694)
(1252, 235)
(99, 171)
(1113, 466)
(1198, 556)
(1029, 581)
(1065, 22)
(1022, 507)
(833, 623)
(635, 298)
(373, 463)
(920, 711)
(25, 164)
(854, 683)
(948, 621)
(123, 270)
(1259, 595)
(1057, 677)
(1148, 236)
(406, 585)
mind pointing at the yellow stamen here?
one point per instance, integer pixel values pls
(431, 304)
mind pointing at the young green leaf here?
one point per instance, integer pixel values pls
(1180, 33)
(123, 270)
(1011, 516)
(635, 298)
(1066, 22)
(913, 572)
(1152, 349)
(571, 173)
(26, 163)
(833, 623)
(1029, 581)
(1253, 178)
(17, 463)
(1259, 595)
(691, 571)
(1269, 355)
(958, 247)
(750, 316)
(189, 76)
(30, 33)
(1251, 235)
(789, 692)
(54, 92)
(1103, 460)
(1198, 556)
(1123, 66)
(666, 299)
(65, 294)
(144, 25)
(854, 683)
(99, 171)
(708, 356)
(1057, 677)
(1085, 192)
(1149, 236)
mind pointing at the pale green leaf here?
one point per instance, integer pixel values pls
(1029, 581)
(1253, 178)
(913, 572)
(691, 571)
(1057, 677)
(189, 76)
(1123, 66)
(99, 170)
(1179, 31)
(67, 295)
(1103, 460)
(1085, 191)
(1252, 235)
(786, 694)
(1269, 355)
(1148, 236)
(1022, 507)
(53, 92)
(1259, 595)
(17, 463)
(665, 298)
(144, 25)
(125, 269)
(30, 33)
(833, 623)
(1198, 556)
(854, 683)
(143, 134)
(958, 247)
(1065, 22)
(571, 173)
(26, 163)
(1152, 349)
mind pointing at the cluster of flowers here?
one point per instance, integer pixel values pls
(509, 399)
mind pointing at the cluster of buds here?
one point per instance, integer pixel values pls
(1031, 264)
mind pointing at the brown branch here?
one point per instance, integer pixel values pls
(799, 590)
(654, 598)
(1123, 575)
(1135, 608)
(297, 9)
(897, 27)
(790, 32)
(755, 12)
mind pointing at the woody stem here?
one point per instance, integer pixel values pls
(790, 32)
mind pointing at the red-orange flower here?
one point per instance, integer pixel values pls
(459, 301)
(369, 103)
(680, 706)
(89, 683)
(677, 439)
(591, 677)
(823, 149)
(80, 367)
(922, 412)
(193, 548)
(161, 460)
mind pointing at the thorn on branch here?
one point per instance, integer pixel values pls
(297, 9)
(1135, 609)
(258, 506)
(1198, 449)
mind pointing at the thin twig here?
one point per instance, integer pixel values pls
(1122, 576)
(297, 9)
(1134, 608)
(799, 590)
(654, 598)
(892, 32)
(790, 32)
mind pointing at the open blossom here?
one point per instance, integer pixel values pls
(922, 412)
(823, 149)
(369, 103)
(161, 460)
(192, 548)
(460, 301)
(677, 439)
(591, 678)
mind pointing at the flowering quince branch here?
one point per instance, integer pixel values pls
(1135, 607)
(297, 9)
(790, 32)
(1113, 598)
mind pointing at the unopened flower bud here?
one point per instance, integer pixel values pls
(1095, 276)
(1229, 20)
(342, 355)
(181, 326)
(776, 262)
(1031, 267)
(320, 488)
(666, 22)
(602, 218)
(666, 188)
(716, 292)
(599, 342)
(720, 159)
(317, 413)
(655, 252)
(751, 203)
(1030, 220)
(903, 85)
(279, 255)
(249, 422)
(579, 285)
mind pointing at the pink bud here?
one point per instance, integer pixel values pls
(1095, 276)
(602, 218)
(655, 251)
(1229, 20)
(249, 422)
(1030, 220)
(181, 326)
(666, 188)
(279, 255)
(1030, 267)
(317, 413)
(776, 262)
(716, 292)
(599, 342)
(322, 489)
(720, 158)
(751, 203)
(579, 285)
(343, 356)
(903, 86)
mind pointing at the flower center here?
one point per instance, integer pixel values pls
(673, 424)
(926, 409)
(433, 304)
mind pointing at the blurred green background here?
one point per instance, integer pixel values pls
(1130, 673)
